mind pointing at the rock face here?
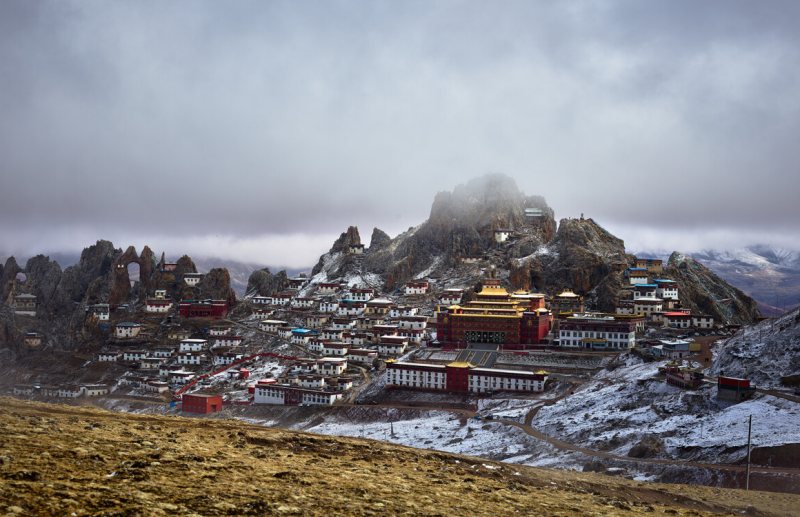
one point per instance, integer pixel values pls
(263, 283)
(101, 275)
(462, 224)
(704, 292)
(340, 249)
(216, 284)
(379, 240)
(121, 283)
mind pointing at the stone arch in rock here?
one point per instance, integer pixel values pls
(120, 279)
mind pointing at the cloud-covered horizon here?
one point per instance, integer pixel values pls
(264, 129)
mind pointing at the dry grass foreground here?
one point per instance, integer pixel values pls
(64, 460)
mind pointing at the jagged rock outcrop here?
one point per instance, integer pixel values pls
(462, 224)
(583, 257)
(8, 277)
(702, 291)
(216, 284)
(43, 280)
(184, 265)
(86, 280)
(339, 262)
(121, 283)
(263, 283)
(379, 240)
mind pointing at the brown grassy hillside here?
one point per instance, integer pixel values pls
(60, 460)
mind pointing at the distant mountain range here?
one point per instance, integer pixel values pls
(769, 274)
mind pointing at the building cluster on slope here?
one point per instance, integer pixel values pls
(336, 328)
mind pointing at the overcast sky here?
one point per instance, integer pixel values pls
(261, 130)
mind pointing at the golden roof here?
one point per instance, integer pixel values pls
(493, 290)
(567, 294)
(461, 364)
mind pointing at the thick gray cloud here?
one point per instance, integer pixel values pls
(266, 128)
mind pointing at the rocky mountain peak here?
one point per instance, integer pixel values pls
(704, 292)
(379, 240)
(263, 283)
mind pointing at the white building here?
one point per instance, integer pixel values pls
(644, 291)
(332, 365)
(261, 300)
(282, 394)
(303, 303)
(403, 310)
(328, 306)
(412, 322)
(108, 357)
(271, 326)
(327, 288)
(192, 345)
(392, 345)
(361, 295)
(157, 305)
(334, 349)
(362, 356)
(488, 380)
(191, 358)
(451, 297)
(416, 375)
(637, 275)
(127, 329)
(703, 322)
(667, 289)
(192, 279)
(350, 308)
(228, 341)
(95, 390)
(592, 330)
(417, 287)
(133, 355)
(219, 331)
(648, 306)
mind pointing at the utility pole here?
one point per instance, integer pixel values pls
(749, 435)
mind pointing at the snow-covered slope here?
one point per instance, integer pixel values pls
(631, 411)
(764, 353)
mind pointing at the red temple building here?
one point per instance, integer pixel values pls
(214, 309)
(514, 321)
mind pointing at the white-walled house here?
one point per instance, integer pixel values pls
(667, 289)
(271, 326)
(191, 358)
(644, 291)
(192, 279)
(157, 305)
(361, 355)
(108, 357)
(192, 345)
(361, 295)
(127, 329)
(133, 355)
(637, 275)
(332, 365)
(417, 287)
(392, 345)
(451, 296)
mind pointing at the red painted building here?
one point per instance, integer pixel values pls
(202, 404)
(514, 321)
(214, 309)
